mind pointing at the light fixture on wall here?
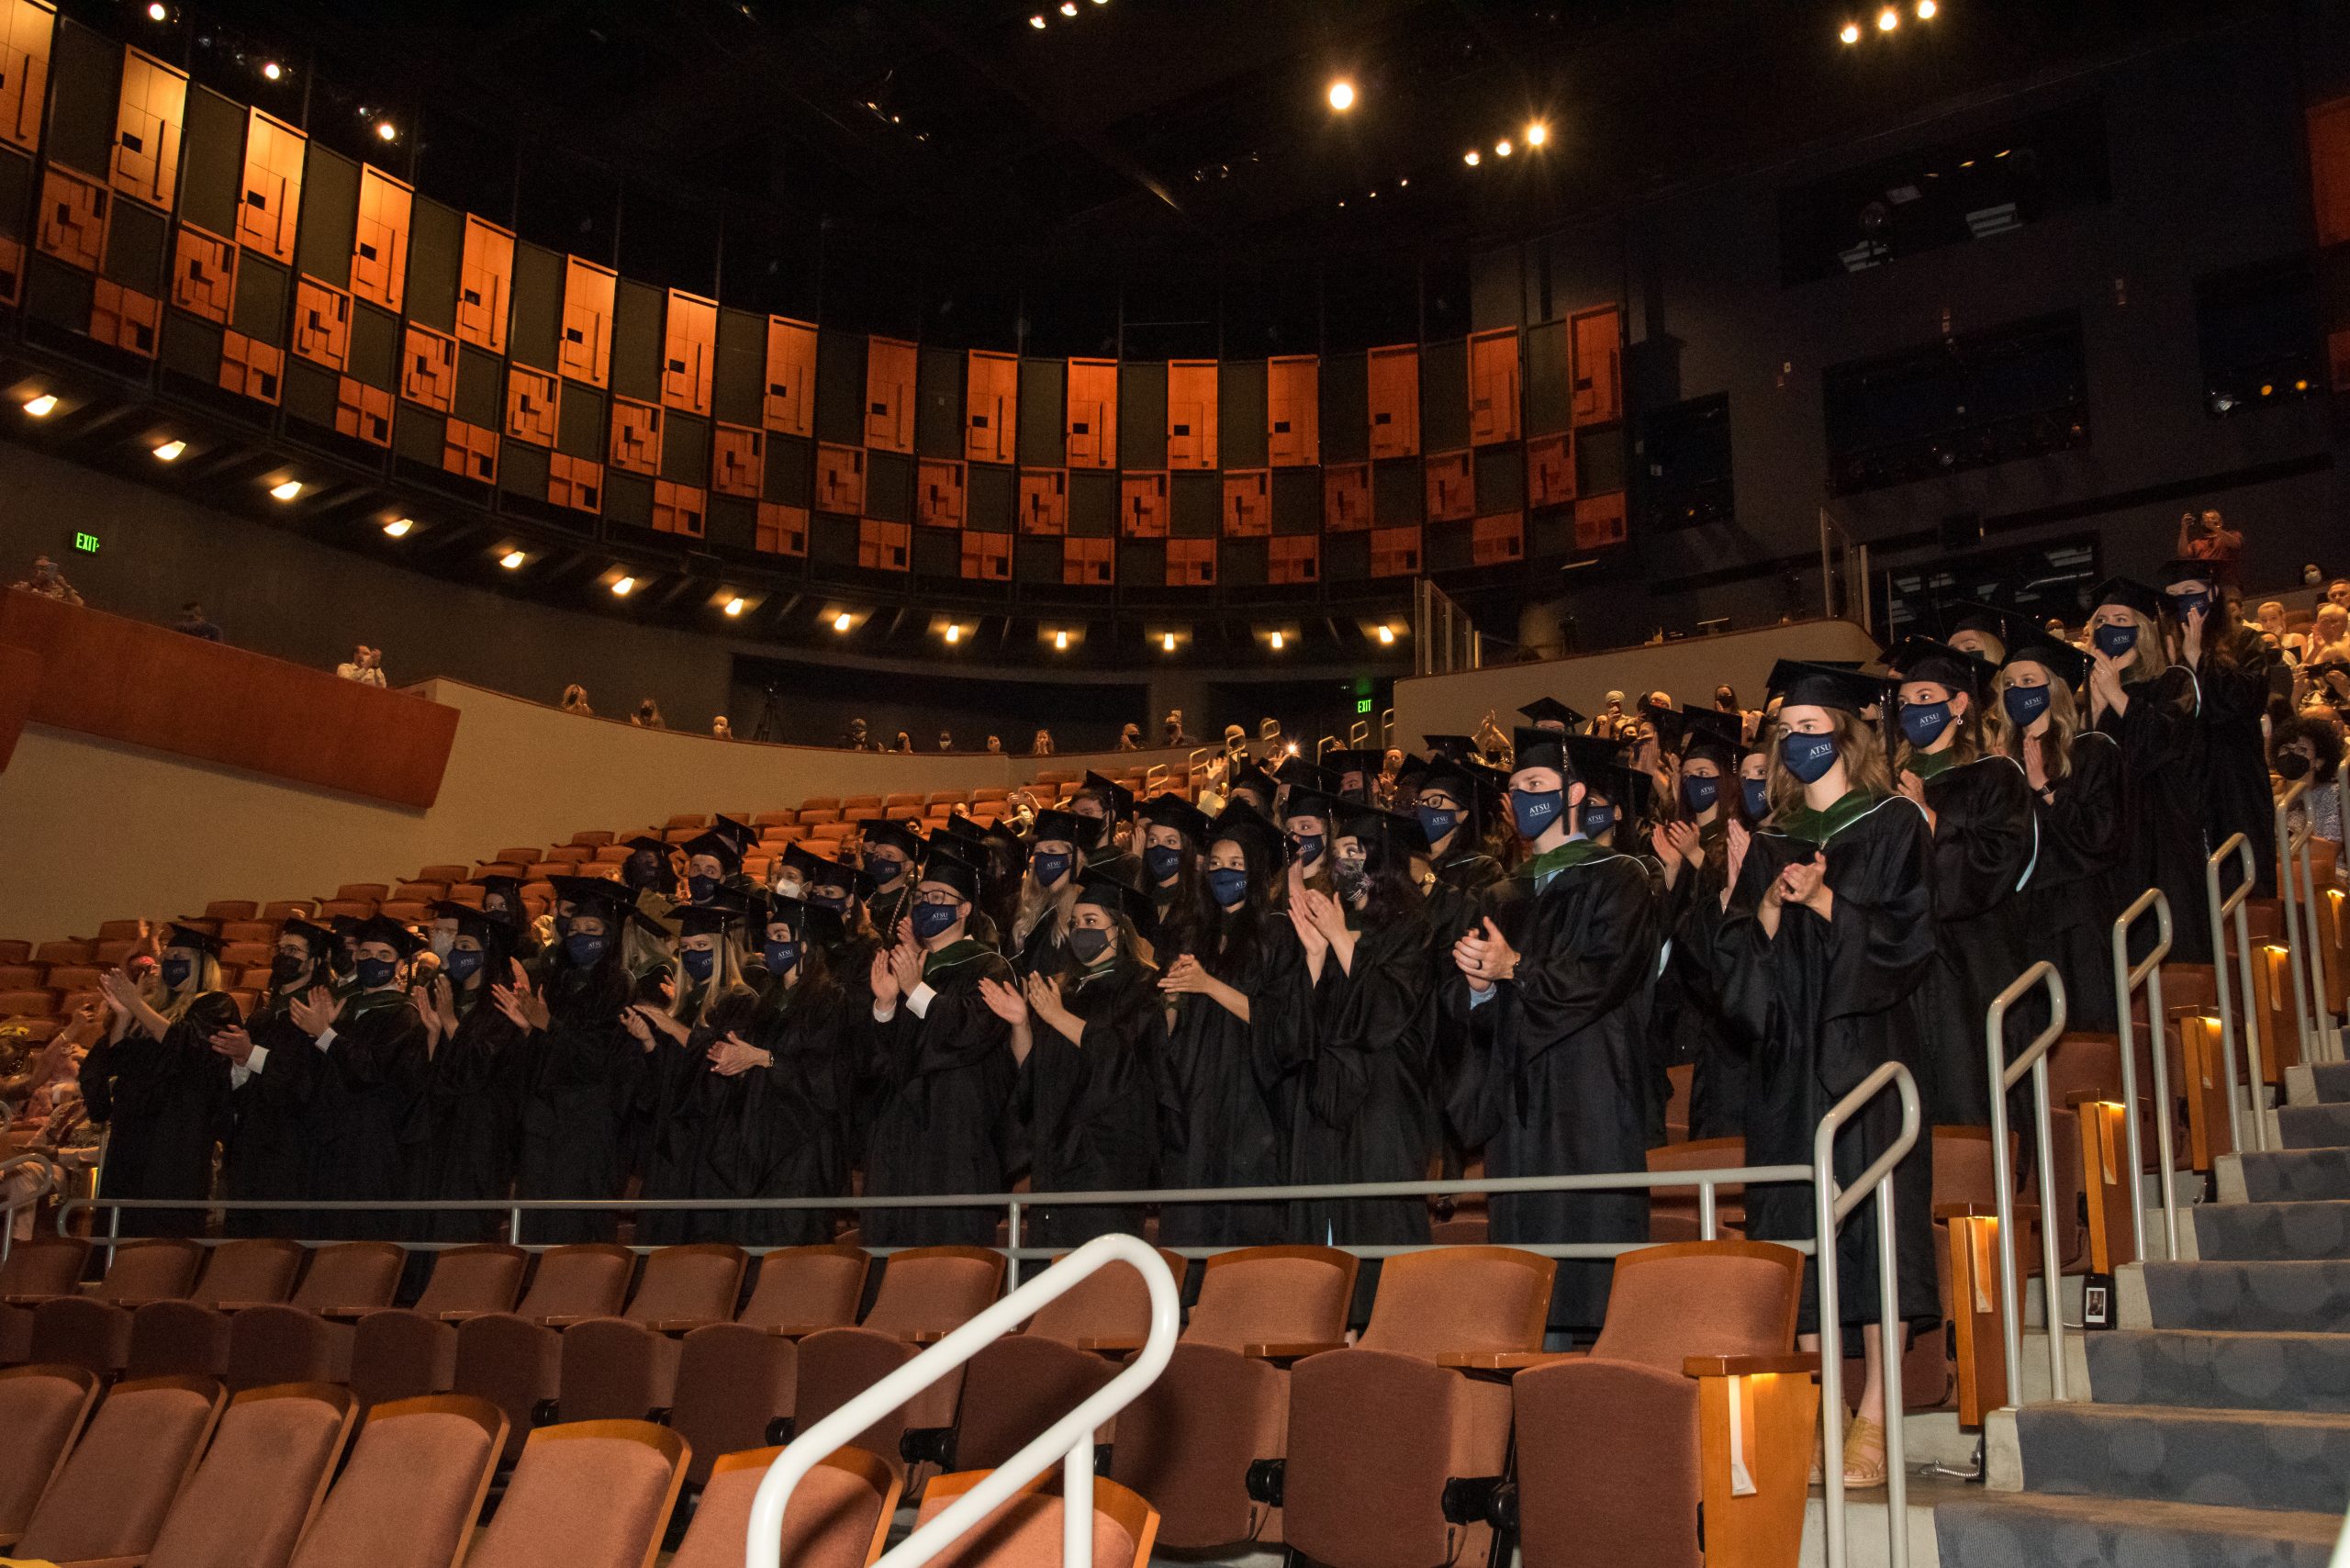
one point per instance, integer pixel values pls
(734, 605)
(169, 452)
(1167, 641)
(42, 407)
(1277, 642)
(397, 528)
(1387, 636)
(1887, 19)
(1472, 157)
(512, 559)
(623, 586)
(1851, 32)
(386, 132)
(287, 490)
(1342, 95)
(1503, 149)
(1060, 641)
(274, 71)
(843, 622)
(1537, 134)
(954, 633)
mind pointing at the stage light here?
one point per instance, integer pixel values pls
(623, 586)
(1386, 636)
(954, 633)
(1471, 158)
(1850, 33)
(169, 452)
(2301, 386)
(1292, 748)
(1342, 95)
(1926, 9)
(1060, 641)
(273, 71)
(1069, 8)
(1537, 134)
(286, 491)
(397, 528)
(512, 559)
(1887, 19)
(734, 605)
(159, 12)
(1167, 641)
(2268, 389)
(1038, 21)
(1502, 149)
(385, 130)
(1277, 642)
(842, 621)
(41, 408)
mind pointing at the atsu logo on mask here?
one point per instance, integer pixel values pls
(1809, 757)
(2113, 640)
(1922, 721)
(1163, 861)
(933, 919)
(1228, 887)
(1535, 811)
(2025, 704)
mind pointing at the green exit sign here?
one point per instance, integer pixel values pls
(1363, 704)
(86, 543)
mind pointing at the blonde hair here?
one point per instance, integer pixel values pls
(1037, 903)
(693, 1005)
(1858, 747)
(202, 976)
(2148, 655)
(2002, 736)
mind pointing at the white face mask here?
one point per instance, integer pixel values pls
(442, 942)
(787, 886)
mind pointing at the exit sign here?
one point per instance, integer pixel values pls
(86, 543)
(1363, 704)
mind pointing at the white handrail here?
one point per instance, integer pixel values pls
(2220, 908)
(2126, 977)
(2006, 1075)
(1069, 1439)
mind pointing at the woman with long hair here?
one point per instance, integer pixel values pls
(711, 1001)
(2231, 664)
(1048, 892)
(1088, 1040)
(463, 1136)
(1174, 836)
(1979, 810)
(1827, 929)
(1691, 851)
(263, 1154)
(1238, 1001)
(2074, 774)
(1310, 818)
(156, 1081)
(2149, 703)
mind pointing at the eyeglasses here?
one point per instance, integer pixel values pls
(937, 900)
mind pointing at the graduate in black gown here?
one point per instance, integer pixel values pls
(1037, 937)
(1088, 1040)
(264, 1153)
(891, 852)
(711, 1001)
(158, 1086)
(1985, 841)
(780, 1089)
(941, 1066)
(464, 1143)
(369, 1070)
(1555, 982)
(1309, 817)
(1825, 935)
(1103, 807)
(2149, 703)
(1174, 838)
(1240, 1007)
(1690, 853)
(576, 1070)
(2231, 667)
(501, 900)
(650, 875)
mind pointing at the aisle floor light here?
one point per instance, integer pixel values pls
(1502, 149)
(1471, 158)
(170, 451)
(1887, 19)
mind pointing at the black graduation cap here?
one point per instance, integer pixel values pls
(1257, 781)
(820, 872)
(1389, 840)
(1303, 802)
(900, 837)
(1259, 839)
(1539, 749)
(1590, 754)
(1973, 615)
(727, 906)
(2060, 660)
(1710, 733)
(1173, 811)
(507, 888)
(1922, 658)
(1300, 774)
(1463, 781)
(582, 890)
(952, 870)
(2183, 571)
(1462, 749)
(965, 828)
(470, 921)
(999, 838)
(1116, 798)
(812, 923)
(719, 847)
(317, 938)
(2131, 593)
(656, 847)
(1066, 827)
(803, 859)
(1627, 788)
(1112, 892)
(342, 925)
(1801, 683)
(1550, 709)
(1670, 724)
(743, 834)
(1342, 763)
(201, 941)
(1413, 768)
(391, 933)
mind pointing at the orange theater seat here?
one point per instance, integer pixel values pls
(93, 1330)
(926, 1291)
(121, 1479)
(192, 1335)
(42, 1409)
(401, 1353)
(515, 1359)
(838, 1516)
(626, 1367)
(37, 1269)
(738, 1382)
(414, 1486)
(307, 1340)
(588, 1494)
(1022, 1383)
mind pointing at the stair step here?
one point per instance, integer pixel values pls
(2207, 1370)
(2305, 1229)
(2332, 1080)
(2288, 1459)
(2253, 1297)
(2322, 1125)
(2033, 1530)
(2286, 1175)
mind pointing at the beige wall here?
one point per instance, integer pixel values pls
(92, 831)
(1688, 670)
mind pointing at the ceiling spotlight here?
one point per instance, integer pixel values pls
(1387, 635)
(1503, 149)
(1887, 19)
(623, 587)
(385, 130)
(954, 633)
(1471, 158)
(512, 559)
(1038, 20)
(1069, 8)
(286, 491)
(734, 605)
(1167, 641)
(159, 12)
(1850, 33)
(274, 71)
(1060, 641)
(170, 451)
(39, 408)
(1277, 642)
(397, 528)
(1537, 134)
(1342, 96)
(841, 622)
(1926, 9)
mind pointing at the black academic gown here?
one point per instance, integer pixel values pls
(669, 1119)
(1456, 891)
(886, 910)
(1822, 1005)
(943, 1084)
(360, 1113)
(162, 1101)
(264, 1155)
(781, 1131)
(468, 1112)
(1984, 840)
(2233, 680)
(1225, 1111)
(1689, 1004)
(1084, 1111)
(2166, 783)
(2069, 907)
(1556, 1080)
(577, 1082)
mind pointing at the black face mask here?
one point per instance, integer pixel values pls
(1087, 944)
(286, 969)
(2292, 765)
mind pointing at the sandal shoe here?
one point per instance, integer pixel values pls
(1865, 1456)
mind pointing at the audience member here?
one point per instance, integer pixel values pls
(648, 716)
(365, 666)
(49, 582)
(2309, 746)
(194, 621)
(946, 740)
(2204, 536)
(721, 729)
(857, 739)
(1130, 738)
(995, 745)
(1042, 744)
(1171, 732)
(574, 701)
(905, 746)
(2337, 593)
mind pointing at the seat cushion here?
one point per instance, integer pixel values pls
(1188, 1441)
(248, 1501)
(733, 1382)
(1373, 1438)
(40, 1413)
(829, 1522)
(405, 1498)
(1631, 1499)
(112, 1495)
(578, 1503)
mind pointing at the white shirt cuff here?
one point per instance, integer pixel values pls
(326, 1038)
(1479, 998)
(883, 1014)
(258, 1059)
(919, 999)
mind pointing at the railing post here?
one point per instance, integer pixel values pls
(1012, 1235)
(1077, 1506)
(2220, 908)
(2285, 837)
(1706, 1222)
(2125, 981)
(2033, 1059)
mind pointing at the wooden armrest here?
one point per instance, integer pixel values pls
(1503, 1361)
(680, 1324)
(349, 1314)
(795, 1330)
(927, 1336)
(242, 1306)
(465, 1313)
(1109, 1344)
(1749, 1366)
(2080, 1097)
(1977, 1210)
(1290, 1350)
(28, 1300)
(565, 1319)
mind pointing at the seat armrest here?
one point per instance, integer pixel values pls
(795, 1330)
(1503, 1361)
(243, 1305)
(927, 1336)
(1109, 1344)
(465, 1313)
(350, 1314)
(1290, 1350)
(1805, 1361)
(565, 1319)
(29, 1299)
(1975, 1209)
(680, 1324)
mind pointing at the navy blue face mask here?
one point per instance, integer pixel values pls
(1435, 822)
(699, 962)
(2025, 704)
(461, 964)
(2115, 641)
(699, 889)
(176, 972)
(1050, 869)
(1163, 861)
(2186, 604)
(1700, 793)
(1228, 887)
(1598, 820)
(1756, 794)
(374, 972)
(1922, 721)
(836, 902)
(585, 947)
(932, 919)
(782, 957)
(1809, 757)
(886, 869)
(1535, 811)
(1309, 846)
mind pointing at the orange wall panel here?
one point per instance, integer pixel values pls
(1492, 387)
(2329, 126)
(1294, 558)
(379, 246)
(577, 483)
(986, 557)
(938, 493)
(147, 120)
(636, 437)
(1346, 497)
(1497, 540)
(1143, 506)
(204, 273)
(781, 530)
(1598, 338)
(251, 368)
(1395, 551)
(677, 508)
(470, 452)
(26, 27)
(1191, 562)
(485, 285)
(889, 395)
(429, 368)
(1294, 410)
(1247, 503)
(363, 412)
(739, 462)
(1452, 489)
(991, 407)
(1043, 500)
(1190, 413)
(273, 189)
(1086, 562)
(585, 352)
(322, 322)
(790, 404)
(840, 479)
(1550, 470)
(533, 399)
(1395, 379)
(125, 318)
(72, 217)
(689, 351)
(883, 547)
(1092, 413)
(1599, 521)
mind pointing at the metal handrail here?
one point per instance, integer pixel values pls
(2125, 981)
(1831, 1204)
(1071, 1439)
(2305, 949)
(2006, 1075)
(2220, 908)
(10, 1202)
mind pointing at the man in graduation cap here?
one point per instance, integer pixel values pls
(713, 858)
(370, 1068)
(2232, 668)
(1108, 803)
(1355, 774)
(1549, 713)
(891, 852)
(648, 868)
(941, 1065)
(264, 1153)
(1554, 979)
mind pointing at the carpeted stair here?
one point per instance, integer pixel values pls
(2217, 1434)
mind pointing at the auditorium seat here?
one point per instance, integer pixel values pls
(812, 816)
(736, 1382)
(230, 908)
(413, 1489)
(240, 955)
(926, 1291)
(609, 854)
(594, 837)
(543, 870)
(402, 1352)
(1684, 1323)
(571, 854)
(626, 1367)
(27, 1003)
(1377, 1431)
(191, 1336)
(283, 910)
(515, 1359)
(1673, 1211)
(21, 977)
(585, 1494)
(118, 929)
(697, 821)
(308, 1338)
(262, 931)
(93, 1329)
(903, 802)
(1022, 1383)
(63, 953)
(500, 868)
(861, 814)
(1028, 1530)
(261, 1479)
(71, 977)
(359, 892)
(838, 1516)
(1223, 1402)
(14, 952)
(134, 1457)
(353, 909)
(36, 1270)
(448, 875)
(42, 1410)
(764, 820)
(418, 893)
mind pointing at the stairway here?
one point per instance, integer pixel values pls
(2217, 1433)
